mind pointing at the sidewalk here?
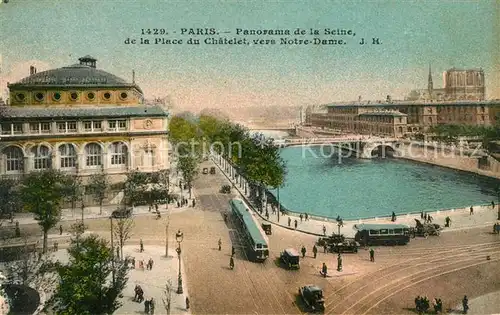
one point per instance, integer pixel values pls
(460, 218)
(485, 304)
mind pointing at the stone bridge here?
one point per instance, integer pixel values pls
(363, 147)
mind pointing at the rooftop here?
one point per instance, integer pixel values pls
(365, 226)
(383, 113)
(414, 103)
(82, 112)
(79, 74)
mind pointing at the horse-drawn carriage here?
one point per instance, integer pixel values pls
(425, 229)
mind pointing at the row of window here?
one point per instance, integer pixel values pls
(63, 127)
(42, 157)
(72, 96)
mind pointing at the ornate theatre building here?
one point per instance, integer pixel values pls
(82, 120)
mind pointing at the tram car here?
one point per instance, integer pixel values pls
(382, 234)
(256, 241)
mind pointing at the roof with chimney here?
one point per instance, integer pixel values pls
(80, 74)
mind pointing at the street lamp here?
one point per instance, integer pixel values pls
(179, 236)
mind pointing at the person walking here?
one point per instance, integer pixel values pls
(303, 251)
(220, 244)
(231, 263)
(372, 255)
(447, 222)
(151, 306)
(301, 217)
(324, 230)
(307, 217)
(465, 304)
(289, 221)
(60, 229)
(141, 244)
(471, 210)
(492, 205)
(232, 251)
(339, 262)
(146, 306)
(315, 251)
(324, 270)
(187, 303)
(296, 223)
(194, 202)
(150, 263)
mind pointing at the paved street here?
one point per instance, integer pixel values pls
(449, 266)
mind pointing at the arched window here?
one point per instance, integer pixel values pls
(118, 152)
(67, 154)
(13, 157)
(93, 154)
(41, 157)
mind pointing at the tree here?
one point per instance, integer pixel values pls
(42, 194)
(10, 201)
(189, 168)
(77, 229)
(167, 296)
(84, 282)
(74, 191)
(123, 231)
(98, 187)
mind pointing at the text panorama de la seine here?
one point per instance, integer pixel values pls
(250, 37)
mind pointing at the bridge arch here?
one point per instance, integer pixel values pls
(382, 151)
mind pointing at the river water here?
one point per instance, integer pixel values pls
(318, 184)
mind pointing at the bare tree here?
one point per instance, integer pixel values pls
(167, 296)
(122, 230)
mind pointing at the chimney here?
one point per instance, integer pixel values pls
(32, 70)
(133, 76)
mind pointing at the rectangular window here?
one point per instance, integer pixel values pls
(34, 127)
(112, 125)
(71, 126)
(87, 125)
(18, 128)
(374, 232)
(391, 231)
(45, 127)
(61, 127)
(97, 125)
(384, 231)
(6, 129)
(398, 231)
(122, 125)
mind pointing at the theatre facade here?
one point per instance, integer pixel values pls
(81, 120)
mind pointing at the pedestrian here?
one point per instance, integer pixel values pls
(289, 221)
(307, 217)
(60, 229)
(339, 262)
(430, 218)
(220, 244)
(187, 303)
(325, 248)
(117, 252)
(194, 202)
(232, 251)
(178, 204)
(141, 244)
(425, 217)
(324, 270)
(133, 262)
(136, 291)
(146, 306)
(465, 304)
(447, 222)
(296, 223)
(315, 251)
(56, 246)
(492, 204)
(324, 230)
(150, 262)
(372, 255)
(267, 215)
(301, 217)
(151, 306)
(421, 215)
(231, 263)
(303, 250)
(141, 264)
(393, 217)
(471, 210)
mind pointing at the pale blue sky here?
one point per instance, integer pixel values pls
(414, 33)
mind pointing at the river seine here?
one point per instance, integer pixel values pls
(358, 188)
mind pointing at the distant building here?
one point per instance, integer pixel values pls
(458, 84)
(81, 120)
(397, 118)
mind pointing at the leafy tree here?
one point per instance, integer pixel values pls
(98, 187)
(85, 287)
(74, 190)
(189, 168)
(123, 231)
(42, 194)
(77, 229)
(134, 187)
(10, 200)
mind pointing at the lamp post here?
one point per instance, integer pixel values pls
(340, 223)
(179, 237)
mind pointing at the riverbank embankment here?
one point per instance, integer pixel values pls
(461, 218)
(461, 160)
